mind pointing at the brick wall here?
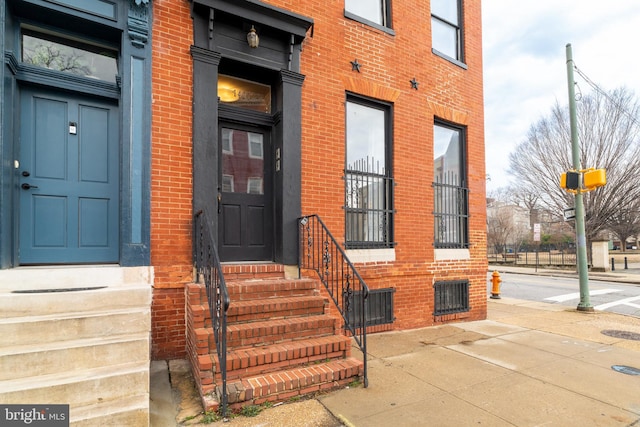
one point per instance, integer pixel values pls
(388, 63)
(445, 90)
(171, 173)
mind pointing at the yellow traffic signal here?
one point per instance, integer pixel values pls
(594, 178)
(570, 180)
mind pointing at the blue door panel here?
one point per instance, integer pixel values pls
(69, 163)
(49, 140)
(94, 144)
(49, 222)
(94, 223)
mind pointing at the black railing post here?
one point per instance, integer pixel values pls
(626, 267)
(613, 264)
(209, 269)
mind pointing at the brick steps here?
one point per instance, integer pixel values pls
(276, 331)
(257, 289)
(263, 360)
(286, 384)
(280, 341)
(274, 308)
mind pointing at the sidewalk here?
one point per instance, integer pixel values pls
(528, 364)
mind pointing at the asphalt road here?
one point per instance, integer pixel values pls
(614, 297)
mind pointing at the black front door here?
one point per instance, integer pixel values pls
(245, 207)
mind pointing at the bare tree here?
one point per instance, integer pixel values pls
(57, 57)
(625, 223)
(608, 132)
(505, 225)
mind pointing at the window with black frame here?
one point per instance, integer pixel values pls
(446, 28)
(368, 179)
(450, 193)
(374, 12)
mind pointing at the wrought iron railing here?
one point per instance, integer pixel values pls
(209, 271)
(368, 207)
(451, 213)
(319, 251)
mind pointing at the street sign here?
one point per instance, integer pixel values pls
(569, 213)
(536, 232)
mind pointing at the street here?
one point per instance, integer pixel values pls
(615, 297)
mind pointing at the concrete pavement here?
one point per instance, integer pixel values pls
(528, 364)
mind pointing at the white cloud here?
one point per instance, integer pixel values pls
(525, 69)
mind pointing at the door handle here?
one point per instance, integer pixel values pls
(27, 186)
(219, 201)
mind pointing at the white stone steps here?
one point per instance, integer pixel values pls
(42, 359)
(78, 335)
(73, 277)
(42, 304)
(131, 411)
(23, 330)
(78, 388)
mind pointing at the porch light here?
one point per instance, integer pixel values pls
(228, 95)
(252, 38)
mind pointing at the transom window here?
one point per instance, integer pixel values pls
(446, 28)
(243, 93)
(377, 12)
(57, 53)
(449, 184)
(368, 179)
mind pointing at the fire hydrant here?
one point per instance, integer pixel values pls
(495, 285)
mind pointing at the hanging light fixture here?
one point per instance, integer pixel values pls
(252, 38)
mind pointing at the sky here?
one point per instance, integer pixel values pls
(525, 67)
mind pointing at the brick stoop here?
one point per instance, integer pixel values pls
(281, 342)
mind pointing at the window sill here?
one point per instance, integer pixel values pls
(450, 59)
(375, 25)
(452, 254)
(358, 256)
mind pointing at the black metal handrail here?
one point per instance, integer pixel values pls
(319, 251)
(209, 270)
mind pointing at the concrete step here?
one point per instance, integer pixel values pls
(36, 359)
(17, 304)
(129, 411)
(80, 276)
(16, 331)
(81, 387)
(78, 335)
(276, 331)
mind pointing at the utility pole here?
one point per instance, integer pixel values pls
(581, 241)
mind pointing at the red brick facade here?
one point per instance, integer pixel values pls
(388, 63)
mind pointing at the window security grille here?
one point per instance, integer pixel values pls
(451, 296)
(368, 208)
(379, 310)
(451, 215)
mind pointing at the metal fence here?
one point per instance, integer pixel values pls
(550, 258)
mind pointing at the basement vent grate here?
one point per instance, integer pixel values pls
(450, 296)
(379, 307)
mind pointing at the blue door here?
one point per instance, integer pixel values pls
(68, 179)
